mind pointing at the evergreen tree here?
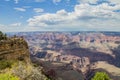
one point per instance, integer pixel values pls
(3, 36)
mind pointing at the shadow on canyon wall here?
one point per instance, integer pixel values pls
(116, 52)
(96, 56)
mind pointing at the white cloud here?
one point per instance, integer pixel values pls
(15, 24)
(20, 9)
(1, 25)
(7, 0)
(38, 10)
(94, 1)
(84, 17)
(14, 27)
(39, 0)
(87, 1)
(56, 1)
(62, 12)
(2, 28)
(26, 7)
(16, 1)
(115, 1)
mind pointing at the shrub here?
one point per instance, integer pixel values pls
(101, 76)
(6, 64)
(3, 36)
(6, 76)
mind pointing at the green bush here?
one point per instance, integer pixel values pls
(101, 76)
(7, 76)
(3, 36)
(5, 64)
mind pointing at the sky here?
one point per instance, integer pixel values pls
(59, 15)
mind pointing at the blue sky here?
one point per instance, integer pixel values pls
(59, 15)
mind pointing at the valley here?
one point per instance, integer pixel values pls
(74, 53)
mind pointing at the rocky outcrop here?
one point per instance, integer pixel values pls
(14, 48)
(15, 61)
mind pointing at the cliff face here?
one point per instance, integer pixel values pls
(15, 61)
(14, 49)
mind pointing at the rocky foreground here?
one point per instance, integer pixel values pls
(15, 61)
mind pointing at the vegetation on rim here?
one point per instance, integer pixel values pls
(101, 76)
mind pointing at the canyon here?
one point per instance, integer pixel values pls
(80, 53)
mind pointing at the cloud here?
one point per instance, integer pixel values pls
(26, 7)
(95, 1)
(14, 27)
(16, 1)
(39, 0)
(84, 17)
(1, 25)
(2, 28)
(20, 9)
(87, 1)
(15, 24)
(38, 10)
(56, 1)
(48, 19)
(7, 0)
(115, 1)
